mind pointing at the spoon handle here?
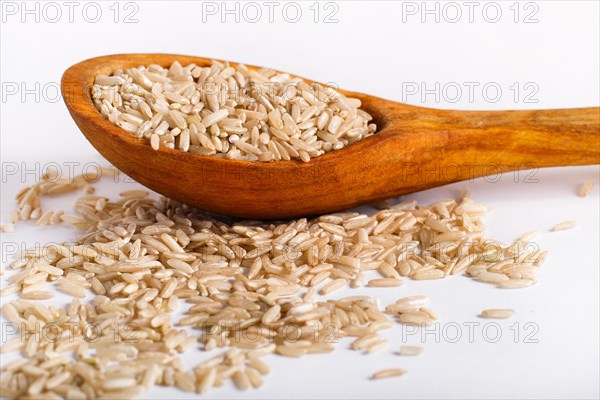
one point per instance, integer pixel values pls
(470, 144)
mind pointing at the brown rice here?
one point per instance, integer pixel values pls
(497, 313)
(388, 373)
(232, 112)
(246, 287)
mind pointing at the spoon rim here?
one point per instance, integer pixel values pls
(78, 79)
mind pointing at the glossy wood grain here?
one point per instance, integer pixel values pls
(415, 148)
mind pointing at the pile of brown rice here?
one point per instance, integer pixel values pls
(247, 287)
(232, 112)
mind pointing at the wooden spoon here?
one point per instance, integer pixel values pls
(415, 148)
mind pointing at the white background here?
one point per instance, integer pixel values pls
(385, 49)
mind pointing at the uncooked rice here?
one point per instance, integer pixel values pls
(585, 188)
(232, 112)
(563, 226)
(6, 228)
(388, 373)
(249, 288)
(497, 313)
(410, 350)
(384, 282)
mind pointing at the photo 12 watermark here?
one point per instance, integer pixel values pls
(452, 12)
(59, 171)
(453, 92)
(471, 332)
(252, 12)
(64, 334)
(30, 92)
(55, 12)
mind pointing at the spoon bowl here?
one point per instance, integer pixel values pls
(414, 148)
